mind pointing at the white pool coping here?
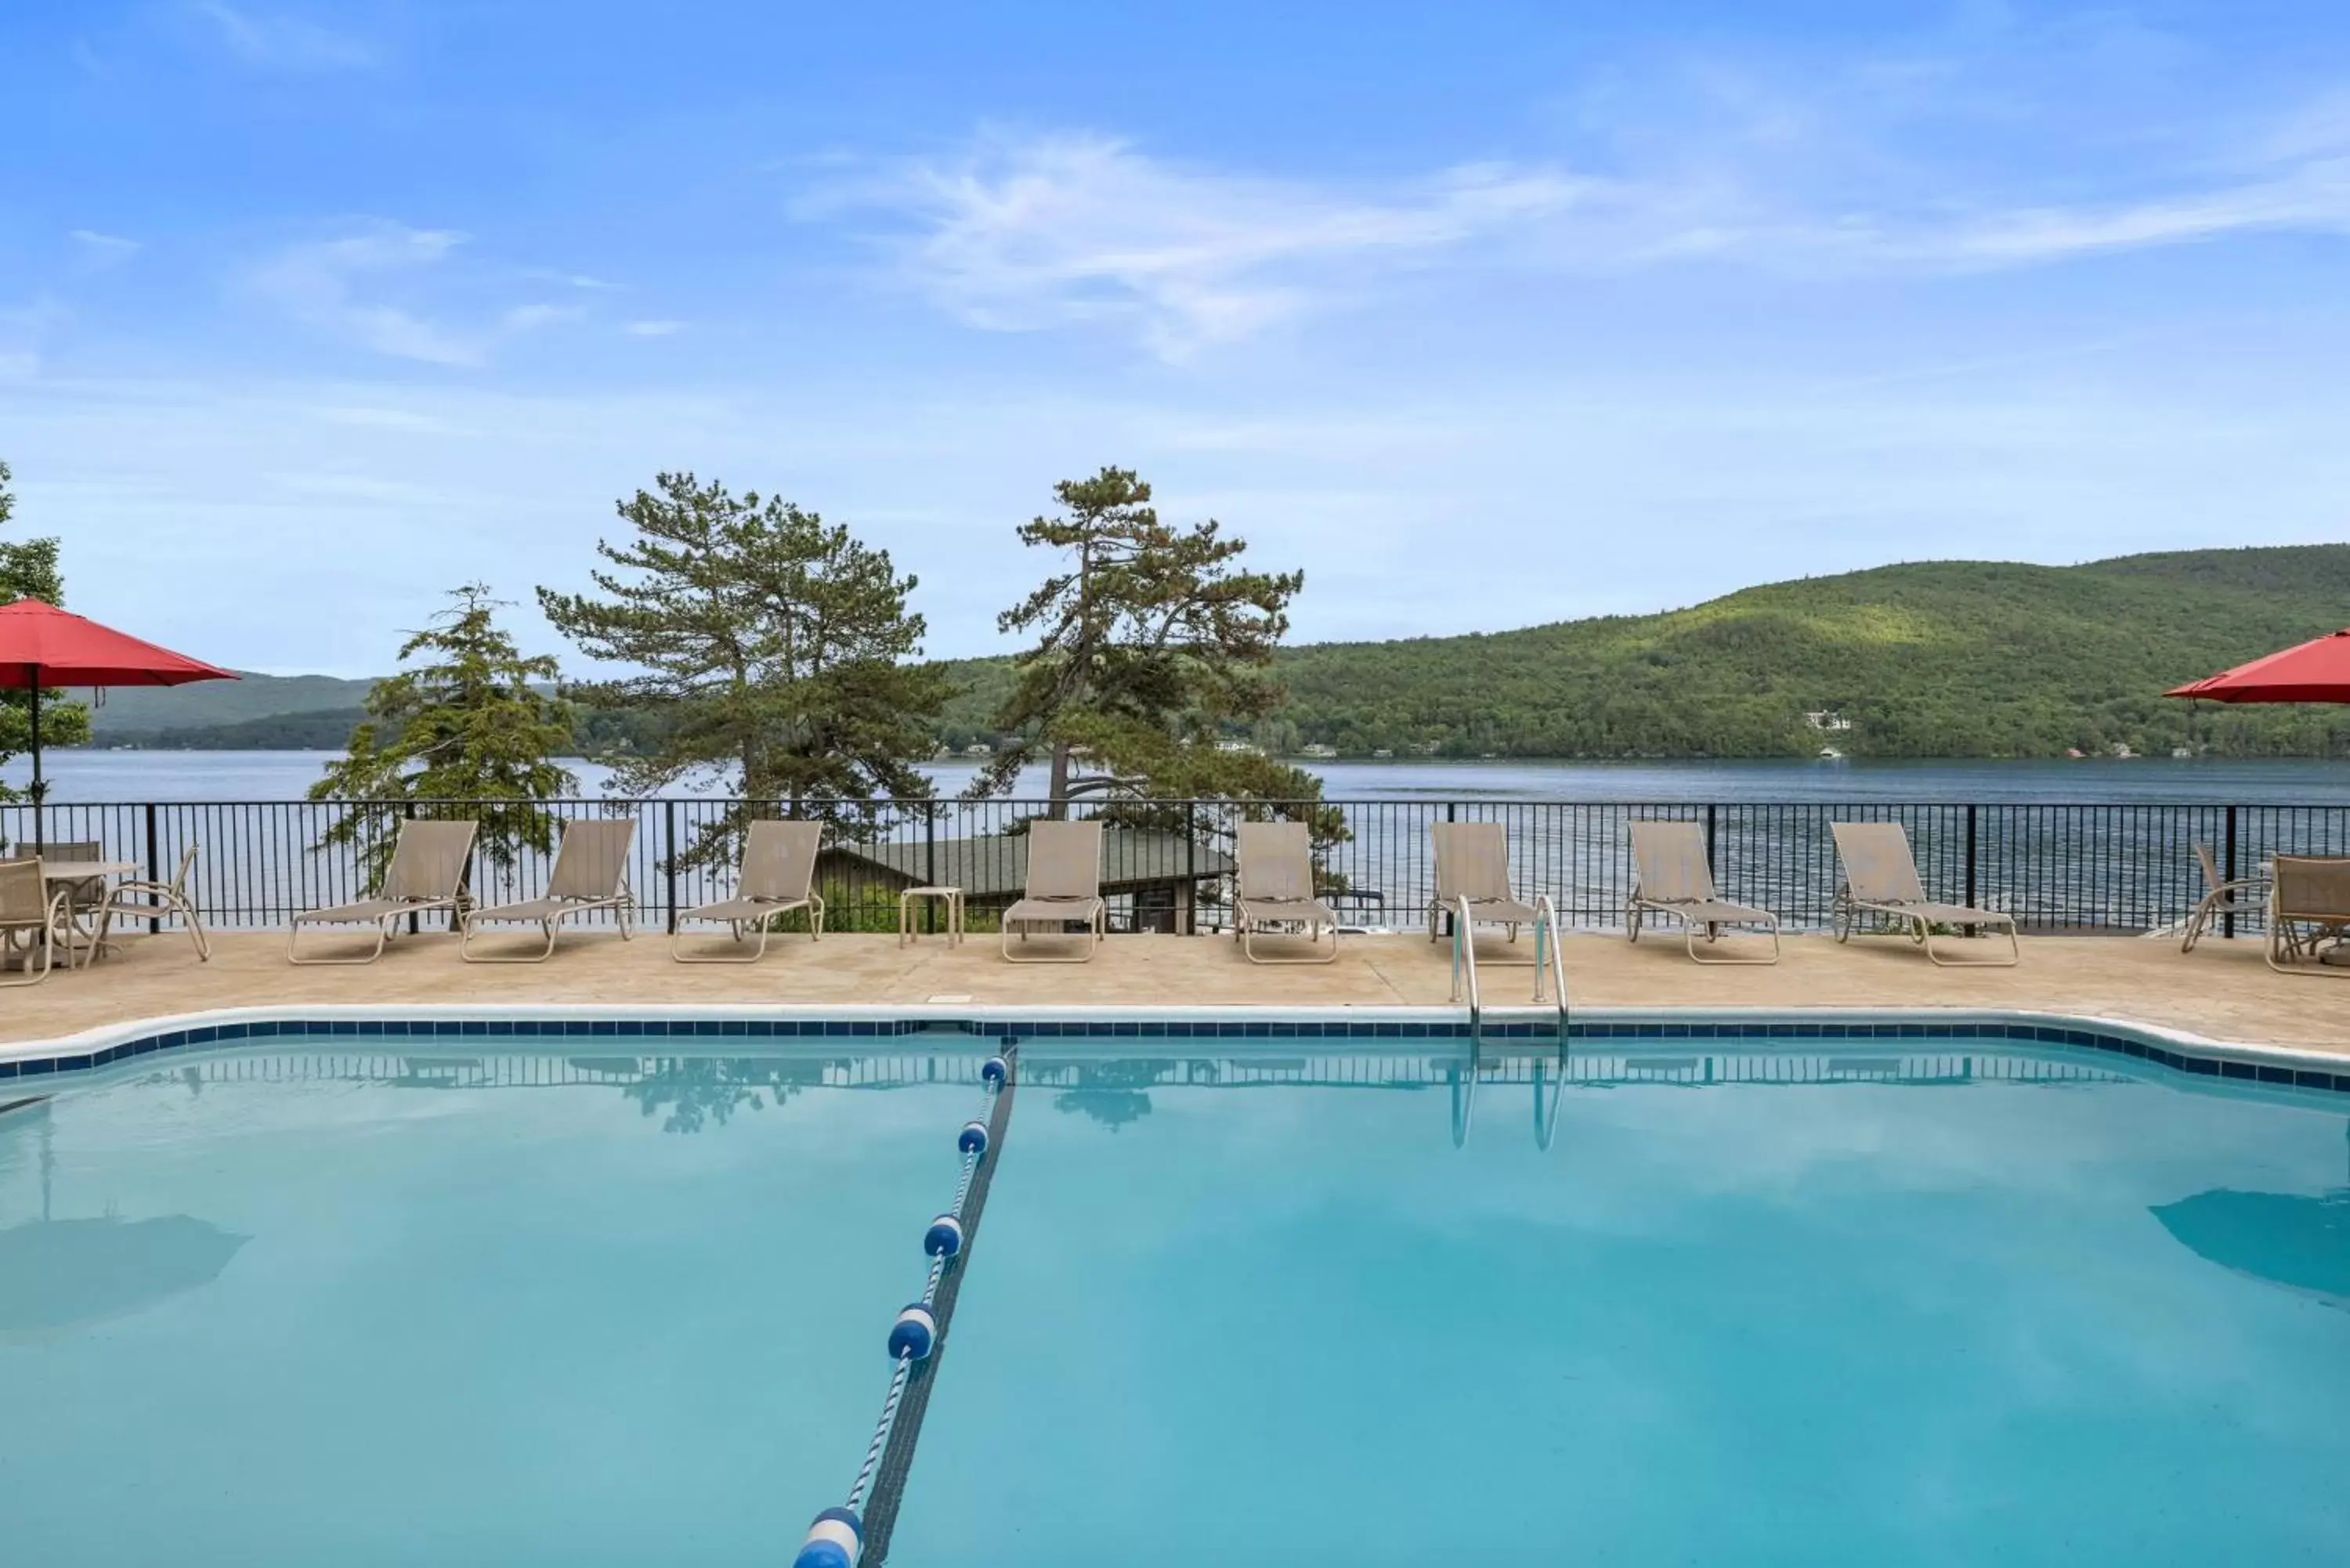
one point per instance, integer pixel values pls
(976, 1019)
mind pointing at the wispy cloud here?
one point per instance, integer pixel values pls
(1017, 233)
(1867, 175)
(103, 249)
(523, 318)
(653, 328)
(277, 40)
(568, 279)
(337, 285)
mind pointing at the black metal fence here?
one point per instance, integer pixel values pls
(2082, 869)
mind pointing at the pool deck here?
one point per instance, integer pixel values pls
(2222, 991)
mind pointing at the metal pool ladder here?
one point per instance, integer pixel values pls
(1464, 964)
(1550, 964)
(1550, 967)
(1547, 920)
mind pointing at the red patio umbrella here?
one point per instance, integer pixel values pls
(41, 645)
(2314, 672)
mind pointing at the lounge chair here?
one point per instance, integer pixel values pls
(157, 901)
(1672, 881)
(1063, 886)
(427, 873)
(2309, 914)
(1880, 878)
(32, 911)
(2222, 898)
(1472, 862)
(1275, 889)
(590, 874)
(778, 875)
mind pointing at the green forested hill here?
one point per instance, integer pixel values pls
(141, 710)
(1935, 658)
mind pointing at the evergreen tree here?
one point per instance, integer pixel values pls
(1149, 641)
(776, 650)
(28, 569)
(472, 722)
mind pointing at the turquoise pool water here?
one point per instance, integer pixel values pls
(1971, 1306)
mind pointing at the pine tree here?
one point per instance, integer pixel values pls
(1149, 641)
(472, 722)
(775, 650)
(28, 569)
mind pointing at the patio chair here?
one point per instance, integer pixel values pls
(2308, 914)
(1472, 862)
(1064, 887)
(427, 873)
(1274, 888)
(85, 896)
(2222, 898)
(1673, 881)
(157, 901)
(777, 875)
(590, 876)
(30, 913)
(1880, 878)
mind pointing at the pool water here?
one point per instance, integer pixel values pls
(1975, 1306)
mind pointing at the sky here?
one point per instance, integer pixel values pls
(1482, 314)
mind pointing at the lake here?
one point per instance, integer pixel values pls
(127, 776)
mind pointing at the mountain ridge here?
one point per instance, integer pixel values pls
(1947, 657)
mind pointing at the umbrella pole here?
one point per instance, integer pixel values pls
(38, 788)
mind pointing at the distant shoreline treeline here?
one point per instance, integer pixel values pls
(1941, 659)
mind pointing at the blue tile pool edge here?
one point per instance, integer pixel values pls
(114, 1044)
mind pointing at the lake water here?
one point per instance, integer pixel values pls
(113, 776)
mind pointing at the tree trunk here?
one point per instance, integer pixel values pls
(1059, 787)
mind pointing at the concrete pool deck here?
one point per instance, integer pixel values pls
(2222, 991)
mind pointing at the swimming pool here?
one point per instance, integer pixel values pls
(623, 1300)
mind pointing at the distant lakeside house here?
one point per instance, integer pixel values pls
(1157, 874)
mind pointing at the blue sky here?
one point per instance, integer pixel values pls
(1483, 314)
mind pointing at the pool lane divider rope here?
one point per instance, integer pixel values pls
(843, 1537)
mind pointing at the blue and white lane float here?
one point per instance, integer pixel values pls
(837, 1537)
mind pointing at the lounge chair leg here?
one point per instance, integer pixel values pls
(294, 941)
(2014, 949)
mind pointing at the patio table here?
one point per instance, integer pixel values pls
(56, 872)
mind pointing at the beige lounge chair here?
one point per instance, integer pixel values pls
(2309, 914)
(1673, 880)
(1472, 862)
(157, 901)
(31, 912)
(2220, 898)
(1880, 878)
(427, 873)
(1063, 886)
(590, 874)
(778, 875)
(1275, 890)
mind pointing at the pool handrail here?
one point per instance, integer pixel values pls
(1465, 961)
(1546, 918)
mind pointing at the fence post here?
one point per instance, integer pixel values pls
(408, 814)
(154, 867)
(669, 861)
(1452, 810)
(1191, 868)
(1710, 811)
(2228, 921)
(1970, 862)
(930, 864)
